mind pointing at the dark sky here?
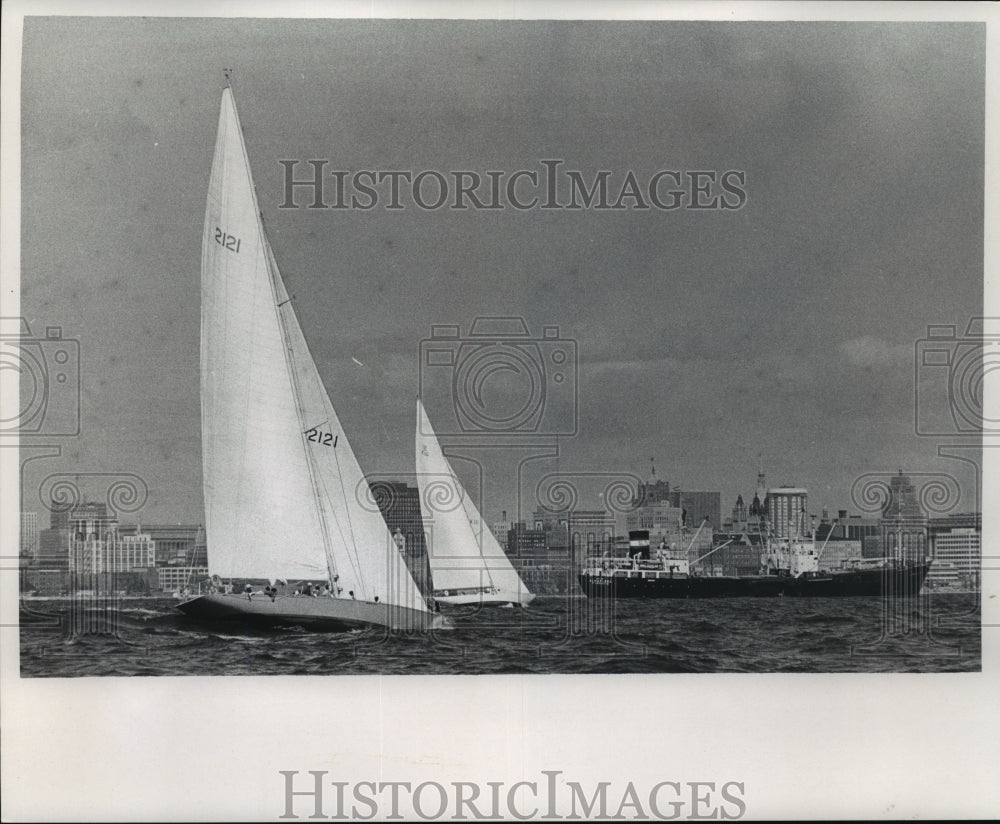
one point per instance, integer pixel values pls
(784, 329)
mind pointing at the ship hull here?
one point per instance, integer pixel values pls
(320, 613)
(889, 582)
(502, 599)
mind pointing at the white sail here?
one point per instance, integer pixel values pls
(280, 478)
(462, 552)
(362, 552)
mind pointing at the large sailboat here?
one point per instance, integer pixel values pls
(467, 564)
(288, 539)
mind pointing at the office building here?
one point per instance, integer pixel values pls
(95, 545)
(957, 560)
(904, 523)
(787, 512)
(176, 544)
(399, 504)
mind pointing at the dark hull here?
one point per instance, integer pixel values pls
(324, 614)
(890, 582)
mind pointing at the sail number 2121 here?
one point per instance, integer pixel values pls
(227, 241)
(324, 438)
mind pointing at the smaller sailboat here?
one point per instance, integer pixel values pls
(468, 565)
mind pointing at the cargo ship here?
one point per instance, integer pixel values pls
(789, 567)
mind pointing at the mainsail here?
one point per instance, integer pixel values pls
(281, 481)
(462, 552)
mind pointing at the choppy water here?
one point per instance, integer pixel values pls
(132, 636)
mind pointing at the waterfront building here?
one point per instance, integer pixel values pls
(112, 553)
(175, 578)
(526, 544)
(956, 547)
(176, 544)
(95, 545)
(904, 523)
(957, 559)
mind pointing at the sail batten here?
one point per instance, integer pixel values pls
(280, 490)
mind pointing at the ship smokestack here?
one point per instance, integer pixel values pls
(638, 543)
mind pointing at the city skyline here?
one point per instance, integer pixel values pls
(786, 328)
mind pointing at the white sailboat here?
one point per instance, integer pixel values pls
(280, 478)
(467, 564)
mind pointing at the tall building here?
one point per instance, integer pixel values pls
(653, 492)
(29, 535)
(699, 507)
(786, 511)
(399, 504)
(739, 516)
(695, 506)
(53, 549)
(500, 529)
(53, 543)
(904, 523)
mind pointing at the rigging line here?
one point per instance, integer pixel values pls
(466, 502)
(290, 364)
(311, 464)
(356, 560)
(479, 537)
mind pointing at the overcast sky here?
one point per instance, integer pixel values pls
(785, 328)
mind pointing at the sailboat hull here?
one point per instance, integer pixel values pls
(488, 598)
(319, 613)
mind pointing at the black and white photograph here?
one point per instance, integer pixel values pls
(512, 413)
